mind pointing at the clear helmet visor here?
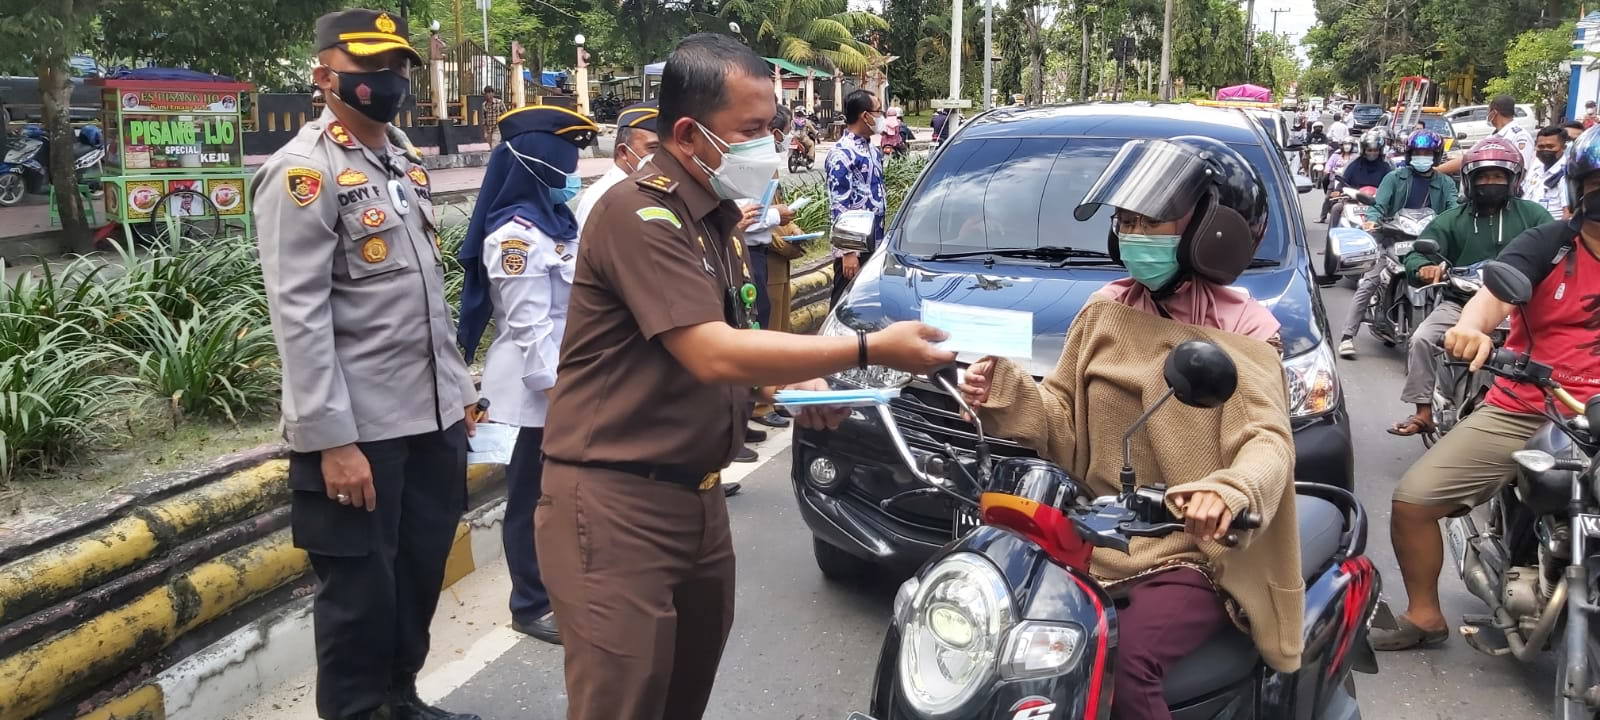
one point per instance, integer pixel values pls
(1153, 178)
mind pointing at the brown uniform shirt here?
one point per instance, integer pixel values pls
(658, 253)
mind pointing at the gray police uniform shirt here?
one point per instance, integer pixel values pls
(355, 286)
(530, 280)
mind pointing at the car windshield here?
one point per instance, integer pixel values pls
(1006, 193)
(1367, 111)
(1438, 124)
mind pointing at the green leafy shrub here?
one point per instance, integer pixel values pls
(54, 397)
(219, 362)
(40, 301)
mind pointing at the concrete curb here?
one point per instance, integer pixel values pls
(263, 654)
(108, 605)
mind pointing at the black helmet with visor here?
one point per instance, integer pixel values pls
(1166, 180)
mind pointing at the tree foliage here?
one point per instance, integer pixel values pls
(819, 33)
(1366, 45)
(1536, 72)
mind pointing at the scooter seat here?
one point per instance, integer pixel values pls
(1321, 524)
(1229, 656)
(1225, 659)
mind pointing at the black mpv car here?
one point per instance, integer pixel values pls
(1011, 179)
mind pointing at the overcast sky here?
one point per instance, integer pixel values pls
(1300, 17)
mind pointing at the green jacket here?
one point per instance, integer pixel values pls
(1465, 238)
(1396, 188)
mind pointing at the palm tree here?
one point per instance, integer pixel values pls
(820, 33)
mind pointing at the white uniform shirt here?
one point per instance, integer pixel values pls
(1338, 132)
(1548, 186)
(591, 194)
(1520, 137)
(530, 281)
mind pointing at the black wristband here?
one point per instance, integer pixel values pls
(861, 349)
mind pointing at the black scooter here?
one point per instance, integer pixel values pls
(1007, 623)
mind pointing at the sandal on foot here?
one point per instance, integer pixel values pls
(1413, 425)
(1405, 635)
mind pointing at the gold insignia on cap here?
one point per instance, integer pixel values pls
(384, 23)
(351, 176)
(374, 250)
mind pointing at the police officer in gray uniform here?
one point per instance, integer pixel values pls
(376, 398)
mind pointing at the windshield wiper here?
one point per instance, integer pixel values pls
(1046, 252)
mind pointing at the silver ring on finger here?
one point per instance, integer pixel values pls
(343, 499)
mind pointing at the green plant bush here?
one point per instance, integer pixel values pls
(54, 397)
(219, 362)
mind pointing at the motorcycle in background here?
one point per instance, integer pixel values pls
(1007, 622)
(1318, 157)
(1456, 391)
(25, 167)
(1530, 563)
(1396, 308)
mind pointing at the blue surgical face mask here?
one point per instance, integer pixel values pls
(558, 195)
(1422, 163)
(1151, 259)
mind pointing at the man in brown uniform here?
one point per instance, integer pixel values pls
(649, 402)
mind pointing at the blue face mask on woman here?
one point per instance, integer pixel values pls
(1151, 259)
(1422, 163)
(558, 195)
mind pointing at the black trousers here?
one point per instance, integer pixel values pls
(758, 277)
(524, 480)
(379, 573)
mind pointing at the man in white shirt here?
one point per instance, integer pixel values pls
(1338, 132)
(636, 140)
(1502, 113)
(1546, 182)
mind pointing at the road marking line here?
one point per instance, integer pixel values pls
(777, 441)
(434, 686)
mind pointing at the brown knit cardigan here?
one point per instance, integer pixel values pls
(1110, 371)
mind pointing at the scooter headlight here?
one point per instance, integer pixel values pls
(952, 634)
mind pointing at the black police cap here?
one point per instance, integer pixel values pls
(639, 115)
(365, 33)
(559, 121)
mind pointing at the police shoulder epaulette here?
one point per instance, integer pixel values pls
(658, 183)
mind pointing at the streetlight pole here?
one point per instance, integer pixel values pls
(488, 60)
(1166, 53)
(1249, 33)
(582, 80)
(988, 53)
(955, 65)
(1275, 12)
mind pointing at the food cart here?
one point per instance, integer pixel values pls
(174, 156)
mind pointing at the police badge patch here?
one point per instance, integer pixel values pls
(304, 184)
(514, 261)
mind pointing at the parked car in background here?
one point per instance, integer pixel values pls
(1473, 121)
(1446, 129)
(20, 93)
(1365, 115)
(990, 224)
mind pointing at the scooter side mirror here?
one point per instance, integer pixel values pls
(1365, 198)
(1201, 374)
(1426, 246)
(1507, 283)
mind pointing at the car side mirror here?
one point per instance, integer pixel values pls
(1461, 136)
(1354, 251)
(1507, 283)
(852, 232)
(1201, 374)
(1426, 246)
(1302, 184)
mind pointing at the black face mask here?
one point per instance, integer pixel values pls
(1590, 207)
(1490, 198)
(1548, 157)
(377, 95)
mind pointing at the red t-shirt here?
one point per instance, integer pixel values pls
(1564, 315)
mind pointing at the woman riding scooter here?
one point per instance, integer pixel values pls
(1188, 214)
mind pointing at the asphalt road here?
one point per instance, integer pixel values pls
(803, 647)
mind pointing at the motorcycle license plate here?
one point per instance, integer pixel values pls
(1456, 534)
(965, 521)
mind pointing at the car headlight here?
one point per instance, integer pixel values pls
(872, 376)
(952, 633)
(1313, 381)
